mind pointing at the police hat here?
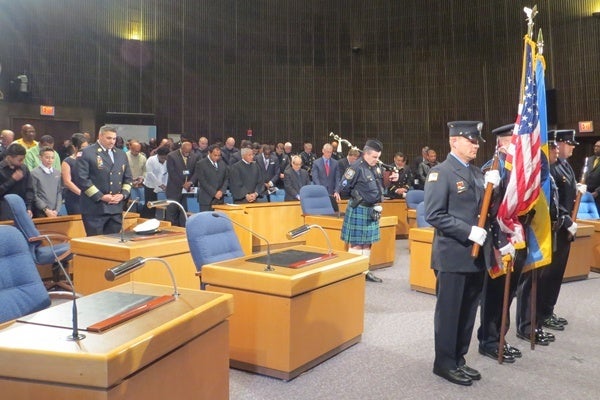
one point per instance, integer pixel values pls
(374, 144)
(564, 135)
(505, 130)
(467, 129)
(552, 138)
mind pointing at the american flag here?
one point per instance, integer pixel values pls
(524, 155)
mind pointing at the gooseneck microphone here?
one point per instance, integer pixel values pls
(129, 266)
(301, 230)
(268, 267)
(123, 221)
(76, 336)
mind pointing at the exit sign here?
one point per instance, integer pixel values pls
(47, 111)
(586, 126)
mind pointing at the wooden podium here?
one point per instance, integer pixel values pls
(94, 254)
(174, 351)
(581, 255)
(421, 276)
(289, 320)
(383, 252)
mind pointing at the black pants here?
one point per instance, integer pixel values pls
(149, 195)
(455, 310)
(104, 224)
(492, 299)
(175, 215)
(551, 276)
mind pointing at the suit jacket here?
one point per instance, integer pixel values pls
(320, 177)
(292, 182)
(271, 172)
(453, 196)
(592, 177)
(177, 168)
(209, 180)
(243, 179)
(96, 175)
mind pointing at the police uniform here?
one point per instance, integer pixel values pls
(97, 175)
(552, 275)
(365, 186)
(492, 296)
(453, 191)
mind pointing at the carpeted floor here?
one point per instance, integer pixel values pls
(394, 358)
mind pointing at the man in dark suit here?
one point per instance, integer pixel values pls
(268, 164)
(104, 177)
(284, 162)
(592, 176)
(294, 178)
(210, 175)
(343, 164)
(453, 192)
(245, 178)
(180, 167)
(324, 170)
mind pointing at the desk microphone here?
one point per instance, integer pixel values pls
(268, 267)
(76, 336)
(123, 220)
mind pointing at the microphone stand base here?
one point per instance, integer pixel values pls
(268, 268)
(75, 338)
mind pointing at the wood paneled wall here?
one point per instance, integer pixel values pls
(297, 70)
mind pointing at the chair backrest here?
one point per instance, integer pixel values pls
(315, 200)
(587, 207)
(414, 197)
(421, 222)
(22, 291)
(211, 239)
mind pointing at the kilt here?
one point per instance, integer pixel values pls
(358, 227)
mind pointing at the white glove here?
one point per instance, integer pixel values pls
(573, 229)
(492, 176)
(477, 235)
(508, 249)
(581, 188)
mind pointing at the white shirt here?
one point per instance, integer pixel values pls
(156, 174)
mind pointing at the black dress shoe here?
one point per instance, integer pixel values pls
(470, 372)
(453, 375)
(549, 336)
(372, 278)
(493, 354)
(552, 323)
(513, 351)
(560, 320)
(539, 339)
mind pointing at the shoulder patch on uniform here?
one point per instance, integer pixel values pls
(432, 177)
(349, 174)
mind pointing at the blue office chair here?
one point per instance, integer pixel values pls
(587, 207)
(22, 291)
(211, 239)
(314, 200)
(421, 222)
(40, 245)
(414, 197)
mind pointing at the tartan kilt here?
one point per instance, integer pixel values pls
(358, 227)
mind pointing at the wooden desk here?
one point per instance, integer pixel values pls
(289, 320)
(271, 220)
(411, 216)
(94, 254)
(421, 276)
(594, 246)
(171, 352)
(382, 252)
(581, 255)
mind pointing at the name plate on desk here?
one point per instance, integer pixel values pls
(98, 312)
(293, 258)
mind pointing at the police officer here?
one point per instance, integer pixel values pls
(104, 177)
(453, 191)
(552, 275)
(492, 296)
(363, 180)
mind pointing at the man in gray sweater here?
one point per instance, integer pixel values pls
(47, 186)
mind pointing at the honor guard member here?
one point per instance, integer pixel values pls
(551, 276)
(492, 296)
(453, 195)
(524, 292)
(104, 177)
(363, 180)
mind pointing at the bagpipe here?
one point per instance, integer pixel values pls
(386, 167)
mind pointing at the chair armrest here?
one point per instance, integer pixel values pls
(44, 236)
